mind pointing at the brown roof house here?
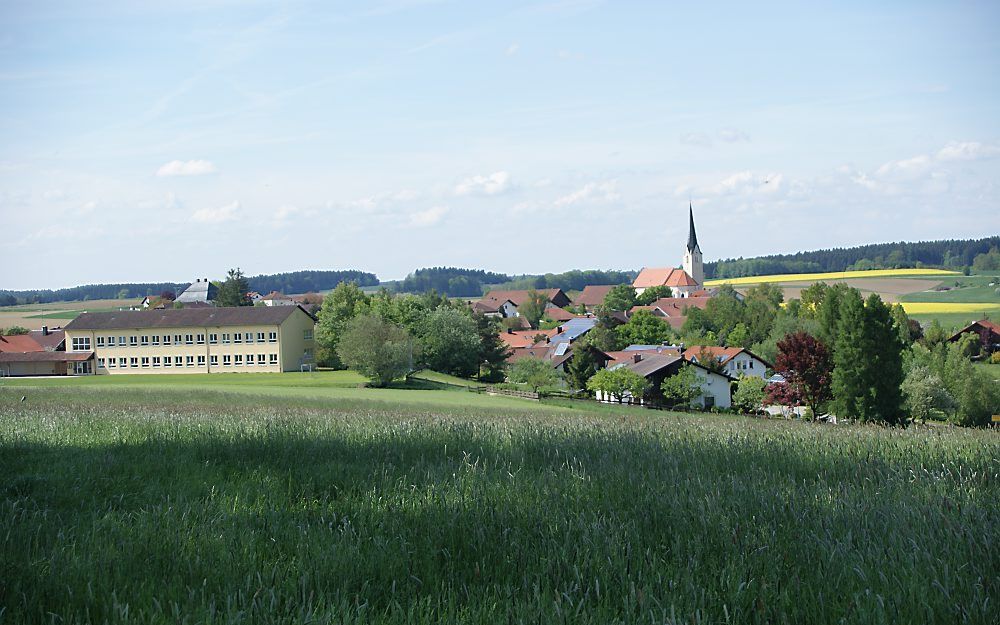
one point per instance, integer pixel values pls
(715, 387)
(987, 331)
(25, 356)
(593, 295)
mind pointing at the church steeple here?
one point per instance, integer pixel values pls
(692, 237)
(692, 255)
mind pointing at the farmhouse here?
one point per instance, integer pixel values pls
(715, 387)
(735, 361)
(506, 303)
(193, 340)
(987, 331)
(200, 292)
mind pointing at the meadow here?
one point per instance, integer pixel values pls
(235, 499)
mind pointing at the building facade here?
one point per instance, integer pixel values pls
(197, 340)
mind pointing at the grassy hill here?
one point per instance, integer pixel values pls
(302, 498)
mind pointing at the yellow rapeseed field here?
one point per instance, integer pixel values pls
(925, 308)
(832, 275)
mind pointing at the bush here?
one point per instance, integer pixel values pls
(749, 395)
(377, 349)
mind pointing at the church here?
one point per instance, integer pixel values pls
(682, 282)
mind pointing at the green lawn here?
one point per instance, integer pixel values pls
(963, 289)
(301, 498)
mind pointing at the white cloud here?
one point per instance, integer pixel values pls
(696, 138)
(906, 168)
(513, 49)
(217, 215)
(967, 151)
(747, 183)
(733, 135)
(591, 192)
(493, 184)
(428, 217)
(186, 168)
(284, 212)
(87, 207)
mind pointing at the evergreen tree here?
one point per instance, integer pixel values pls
(850, 373)
(885, 366)
(234, 291)
(493, 352)
(582, 366)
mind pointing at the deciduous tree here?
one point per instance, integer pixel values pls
(377, 349)
(681, 388)
(533, 307)
(342, 304)
(618, 383)
(807, 366)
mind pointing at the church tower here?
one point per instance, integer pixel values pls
(692, 255)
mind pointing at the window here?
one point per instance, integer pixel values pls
(201, 360)
(123, 362)
(133, 341)
(156, 361)
(751, 364)
(201, 339)
(238, 360)
(100, 343)
(189, 339)
(225, 338)
(249, 360)
(112, 362)
(213, 339)
(100, 363)
(307, 354)
(156, 339)
(81, 344)
(145, 361)
(178, 339)
(227, 360)
(213, 360)
(273, 359)
(272, 337)
(111, 341)
(261, 359)
(121, 341)
(260, 337)
(133, 362)
(166, 361)
(307, 334)
(144, 340)
(249, 337)
(190, 361)
(237, 337)
(178, 361)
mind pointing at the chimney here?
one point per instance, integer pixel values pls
(510, 330)
(45, 330)
(637, 358)
(559, 330)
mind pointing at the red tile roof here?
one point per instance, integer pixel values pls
(524, 338)
(662, 276)
(43, 356)
(593, 294)
(559, 314)
(19, 344)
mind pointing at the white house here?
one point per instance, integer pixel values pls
(735, 361)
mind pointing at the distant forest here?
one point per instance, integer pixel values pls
(949, 254)
(294, 282)
(456, 282)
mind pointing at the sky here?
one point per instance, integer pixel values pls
(164, 141)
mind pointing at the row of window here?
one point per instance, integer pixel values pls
(178, 339)
(228, 360)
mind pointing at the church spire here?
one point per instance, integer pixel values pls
(692, 237)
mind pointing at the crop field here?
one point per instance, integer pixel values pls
(208, 501)
(34, 316)
(830, 276)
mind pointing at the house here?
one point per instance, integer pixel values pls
(735, 361)
(715, 387)
(673, 309)
(628, 354)
(559, 355)
(987, 331)
(574, 329)
(683, 282)
(496, 308)
(516, 339)
(51, 339)
(555, 313)
(200, 292)
(40, 353)
(497, 299)
(275, 298)
(194, 340)
(593, 295)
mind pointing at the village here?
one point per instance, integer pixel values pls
(192, 333)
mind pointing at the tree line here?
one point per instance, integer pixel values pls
(950, 253)
(448, 281)
(294, 282)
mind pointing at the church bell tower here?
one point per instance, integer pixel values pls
(692, 255)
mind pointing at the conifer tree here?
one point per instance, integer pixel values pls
(850, 383)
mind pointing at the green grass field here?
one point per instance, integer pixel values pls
(305, 499)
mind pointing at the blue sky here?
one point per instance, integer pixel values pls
(148, 141)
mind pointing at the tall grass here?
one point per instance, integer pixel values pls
(160, 506)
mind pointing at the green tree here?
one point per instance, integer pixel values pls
(377, 349)
(449, 343)
(989, 261)
(620, 298)
(123, 294)
(493, 352)
(233, 291)
(926, 396)
(604, 336)
(886, 367)
(644, 328)
(850, 381)
(749, 395)
(582, 366)
(682, 388)
(618, 383)
(15, 331)
(653, 293)
(739, 336)
(343, 303)
(535, 373)
(829, 312)
(533, 308)
(935, 335)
